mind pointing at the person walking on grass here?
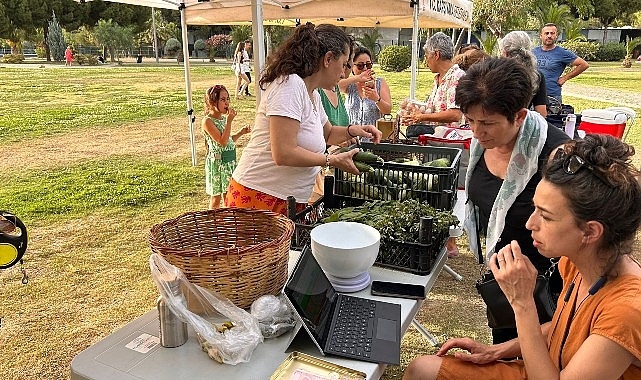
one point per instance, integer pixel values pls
(246, 65)
(553, 59)
(242, 81)
(68, 56)
(221, 147)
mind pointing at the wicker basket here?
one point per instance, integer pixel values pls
(239, 253)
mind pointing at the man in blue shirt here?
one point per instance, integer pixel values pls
(552, 61)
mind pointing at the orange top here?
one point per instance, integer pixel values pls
(613, 312)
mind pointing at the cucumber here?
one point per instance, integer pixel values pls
(363, 167)
(367, 157)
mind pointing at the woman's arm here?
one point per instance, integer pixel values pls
(283, 132)
(385, 103)
(362, 77)
(451, 115)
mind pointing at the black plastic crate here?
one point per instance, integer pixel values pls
(399, 181)
(411, 257)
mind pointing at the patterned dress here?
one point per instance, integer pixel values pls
(217, 172)
(361, 111)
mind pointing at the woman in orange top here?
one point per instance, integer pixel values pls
(587, 211)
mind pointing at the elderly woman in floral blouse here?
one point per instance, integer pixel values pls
(439, 51)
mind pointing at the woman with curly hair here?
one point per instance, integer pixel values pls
(291, 130)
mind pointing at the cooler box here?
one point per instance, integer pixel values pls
(607, 122)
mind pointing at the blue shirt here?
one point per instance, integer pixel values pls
(552, 63)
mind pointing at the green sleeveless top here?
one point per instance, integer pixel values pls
(337, 115)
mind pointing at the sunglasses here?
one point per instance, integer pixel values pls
(361, 65)
(573, 163)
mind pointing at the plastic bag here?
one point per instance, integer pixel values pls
(274, 316)
(228, 333)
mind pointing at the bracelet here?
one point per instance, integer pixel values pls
(350, 135)
(379, 100)
(326, 162)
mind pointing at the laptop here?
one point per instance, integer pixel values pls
(342, 325)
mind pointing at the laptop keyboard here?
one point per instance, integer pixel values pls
(354, 327)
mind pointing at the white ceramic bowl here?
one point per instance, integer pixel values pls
(345, 249)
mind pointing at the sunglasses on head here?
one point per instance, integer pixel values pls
(217, 87)
(573, 163)
(362, 65)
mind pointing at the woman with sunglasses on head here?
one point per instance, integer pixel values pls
(507, 153)
(291, 131)
(367, 97)
(587, 210)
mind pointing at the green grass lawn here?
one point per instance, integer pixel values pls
(88, 218)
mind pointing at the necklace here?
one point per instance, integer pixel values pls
(575, 307)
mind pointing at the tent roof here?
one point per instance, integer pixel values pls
(357, 13)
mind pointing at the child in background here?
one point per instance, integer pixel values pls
(221, 147)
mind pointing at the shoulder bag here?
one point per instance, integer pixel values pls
(499, 311)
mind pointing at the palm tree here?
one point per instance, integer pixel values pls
(630, 44)
(556, 14)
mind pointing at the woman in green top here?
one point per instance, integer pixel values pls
(221, 146)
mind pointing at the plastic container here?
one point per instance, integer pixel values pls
(434, 185)
(410, 257)
(607, 122)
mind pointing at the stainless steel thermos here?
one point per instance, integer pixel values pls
(173, 331)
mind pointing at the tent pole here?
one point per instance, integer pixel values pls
(415, 46)
(190, 111)
(259, 44)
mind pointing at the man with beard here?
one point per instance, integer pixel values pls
(553, 59)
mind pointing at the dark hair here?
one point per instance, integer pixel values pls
(303, 51)
(498, 85)
(359, 50)
(550, 24)
(617, 204)
(212, 95)
(469, 57)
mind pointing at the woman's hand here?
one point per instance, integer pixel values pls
(413, 118)
(367, 131)
(344, 161)
(515, 274)
(246, 129)
(365, 76)
(477, 353)
(371, 93)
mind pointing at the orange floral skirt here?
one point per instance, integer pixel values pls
(245, 197)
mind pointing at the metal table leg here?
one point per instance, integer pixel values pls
(430, 338)
(451, 272)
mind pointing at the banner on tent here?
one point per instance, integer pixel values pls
(456, 11)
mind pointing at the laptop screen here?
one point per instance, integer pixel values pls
(312, 295)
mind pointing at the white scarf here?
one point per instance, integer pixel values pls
(522, 166)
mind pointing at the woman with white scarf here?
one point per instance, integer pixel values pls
(508, 151)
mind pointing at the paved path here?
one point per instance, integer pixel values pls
(619, 97)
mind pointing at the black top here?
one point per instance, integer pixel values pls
(484, 187)
(541, 95)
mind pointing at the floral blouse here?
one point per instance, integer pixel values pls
(443, 96)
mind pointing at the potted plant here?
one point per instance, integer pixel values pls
(216, 41)
(173, 47)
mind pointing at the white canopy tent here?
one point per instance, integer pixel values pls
(354, 13)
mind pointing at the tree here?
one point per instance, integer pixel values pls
(55, 39)
(630, 44)
(606, 11)
(113, 36)
(164, 31)
(369, 41)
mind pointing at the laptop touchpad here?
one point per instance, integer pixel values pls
(386, 330)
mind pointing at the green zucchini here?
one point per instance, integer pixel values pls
(367, 157)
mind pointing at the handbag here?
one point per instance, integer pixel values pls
(500, 314)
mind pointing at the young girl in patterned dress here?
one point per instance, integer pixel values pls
(221, 147)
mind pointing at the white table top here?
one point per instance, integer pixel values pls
(111, 359)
